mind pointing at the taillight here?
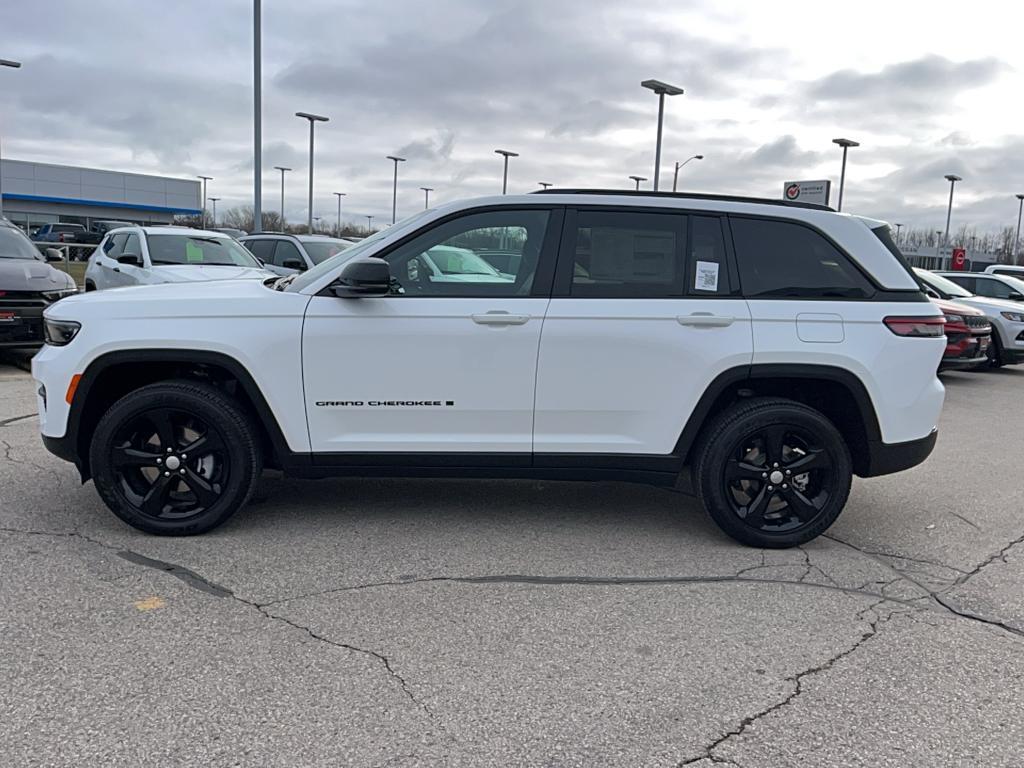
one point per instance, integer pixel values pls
(929, 327)
(60, 238)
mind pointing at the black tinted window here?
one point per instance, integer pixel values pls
(995, 289)
(261, 249)
(287, 252)
(708, 272)
(628, 255)
(967, 283)
(781, 259)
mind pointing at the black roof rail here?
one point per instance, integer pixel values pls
(269, 232)
(685, 196)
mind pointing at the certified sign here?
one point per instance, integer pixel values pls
(816, 191)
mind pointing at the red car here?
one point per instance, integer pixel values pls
(968, 335)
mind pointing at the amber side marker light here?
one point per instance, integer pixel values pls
(72, 387)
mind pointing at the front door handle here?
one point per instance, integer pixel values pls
(705, 320)
(500, 318)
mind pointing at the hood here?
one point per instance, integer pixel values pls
(32, 275)
(952, 308)
(996, 305)
(198, 273)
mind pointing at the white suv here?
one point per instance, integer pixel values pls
(754, 352)
(151, 255)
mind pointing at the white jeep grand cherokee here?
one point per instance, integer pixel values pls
(754, 352)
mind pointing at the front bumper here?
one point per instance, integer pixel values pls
(887, 458)
(21, 326)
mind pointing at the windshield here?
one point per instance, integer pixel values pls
(198, 249)
(14, 245)
(324, 267)
(943, 286)
(321, 250)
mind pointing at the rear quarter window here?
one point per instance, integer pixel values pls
(781, 259)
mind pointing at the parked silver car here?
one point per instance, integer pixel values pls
(285, 254)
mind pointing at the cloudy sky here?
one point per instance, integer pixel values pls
(928, 88)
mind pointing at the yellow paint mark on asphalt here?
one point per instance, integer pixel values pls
(150, 603)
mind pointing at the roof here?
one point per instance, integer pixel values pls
(684, 196)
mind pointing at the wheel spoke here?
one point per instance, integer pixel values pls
(743, 470)
(156, 497)
(774, 440)
(757, 507)
(206, 494)
(161, 421)
(816, 458)
(124, 457)
(202, 446)
(800, 505)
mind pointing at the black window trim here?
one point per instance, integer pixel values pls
(880, 293)
(564, 268)
(543, 277)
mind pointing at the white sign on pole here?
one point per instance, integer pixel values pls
(816, 191)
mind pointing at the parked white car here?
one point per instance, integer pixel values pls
(1005, 269)
(151, 255)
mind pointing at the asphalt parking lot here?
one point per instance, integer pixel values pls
(422, 622)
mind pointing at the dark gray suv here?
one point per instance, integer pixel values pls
(28, 285)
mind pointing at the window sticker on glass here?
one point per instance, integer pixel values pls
(707, 276)
(193, 253)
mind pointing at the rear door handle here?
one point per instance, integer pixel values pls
(705, 320)
(500, 318)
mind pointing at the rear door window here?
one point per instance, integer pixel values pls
(992, 288)
(708, 272)
(781, 259)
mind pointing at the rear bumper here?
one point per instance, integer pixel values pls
(887, 458)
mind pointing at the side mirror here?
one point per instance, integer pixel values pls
(54, 254)
(363, 277)
(131, 259)
(294, 264)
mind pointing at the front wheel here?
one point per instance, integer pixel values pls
(773, 473)
(175, 459)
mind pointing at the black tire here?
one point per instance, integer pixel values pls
(995, 352)
(749, 442)
(89, 286)
(176, 458)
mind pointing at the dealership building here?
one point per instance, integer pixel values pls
(41, 193)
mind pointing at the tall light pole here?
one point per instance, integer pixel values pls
(205, 179)
(504, 177)
(545, 184)
(214, 201)
(394, 188)
(317, 220)
(898, 228)
(638, 179)
(313, 119)
(257, 119)
(675, 177)
(282, 169)
(952, 179)
(845, 144)
(369, 224)
(1017, 240)
(12, 65)
(663, 90)
(426, 196)
(339, 195)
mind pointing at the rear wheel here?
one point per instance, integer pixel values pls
(175, 459)
(773, 473)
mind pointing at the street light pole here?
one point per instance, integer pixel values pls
(845, 144)
(426, 196)
(339, 195)
(394, 188)
(638, 179)
(675, 177)
(545, 184)
(504, 178)
(952, 179)
(369, 224)
(205, 179)
(12, 65)
(257, 109)
(312, 119)
(663, 90)
(282, 169)
(1016, 240)
(214, 201)
(898, 228)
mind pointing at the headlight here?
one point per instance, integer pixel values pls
(1016, 317)
(56, 295)
(59, 332)
(954, 319)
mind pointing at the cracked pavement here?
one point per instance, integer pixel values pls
(422, 622)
